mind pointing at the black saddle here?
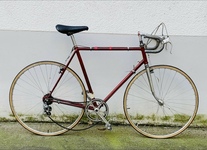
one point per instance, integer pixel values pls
(69, 30)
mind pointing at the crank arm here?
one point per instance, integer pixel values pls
(108, 125)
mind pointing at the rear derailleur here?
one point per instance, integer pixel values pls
(47, 101)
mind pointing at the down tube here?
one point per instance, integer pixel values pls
(124, 80)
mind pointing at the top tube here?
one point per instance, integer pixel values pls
(109, 48)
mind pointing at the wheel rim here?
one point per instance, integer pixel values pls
(28, 89)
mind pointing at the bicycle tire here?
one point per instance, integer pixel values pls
(180, 102)
(26, 98)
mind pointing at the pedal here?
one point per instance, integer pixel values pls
(108, 126)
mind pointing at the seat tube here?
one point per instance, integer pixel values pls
(84, 71)
(82, 65)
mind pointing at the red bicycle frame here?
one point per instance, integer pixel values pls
(76, 51)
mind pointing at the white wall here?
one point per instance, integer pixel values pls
(182, 17)
(27, 34)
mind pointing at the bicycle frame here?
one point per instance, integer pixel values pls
(76, 51)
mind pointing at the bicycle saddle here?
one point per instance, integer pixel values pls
(69, 30)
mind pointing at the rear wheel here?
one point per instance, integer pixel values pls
(32, 84)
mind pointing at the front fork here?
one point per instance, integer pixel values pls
(149, 76)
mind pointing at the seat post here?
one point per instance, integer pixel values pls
(73, 40)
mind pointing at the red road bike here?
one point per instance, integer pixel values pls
(49, 98)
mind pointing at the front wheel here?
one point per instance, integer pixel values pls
(179, 98)
(27, 103)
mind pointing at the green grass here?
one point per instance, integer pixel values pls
(199, 121)
(14, 136)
